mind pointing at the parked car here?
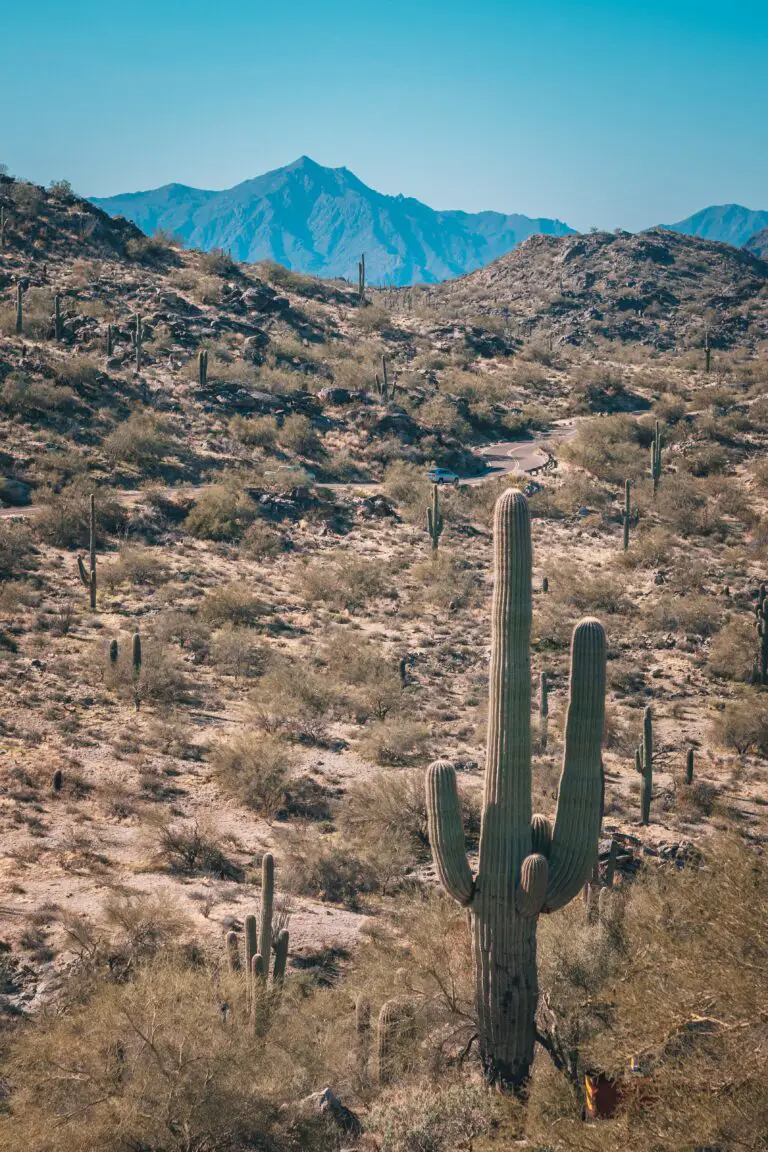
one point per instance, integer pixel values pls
(442, 476)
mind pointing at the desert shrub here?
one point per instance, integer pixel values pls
(733, 651)
(136, 566)
(221, 512)
(232, 604)
(371, 680)
(144, 439)
(147, 1065)
(189, 632)
(743, 724)
(394, 742)
(149, 249)
(256, 769)
(432, 1118)
(408, 487)
(649, 548)
(190, 849)
(325, 869)
(262, 541)
(65, 515)
(446, 580)
(24, 396)
(235, 650)
(162, 679)
(298, 435)
(15, 549)
(217, 262)
(79, 372)
(695, 801)
(27, 197)
(255, 431)
(349, 585)
(697, 614)
(144, 924)
(294, 699)
(610, 448)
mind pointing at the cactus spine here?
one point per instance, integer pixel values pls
(515, 882)
(627, 511)
(689, 756)
(395, 1028)
(656, 457)
(202, 367)
(19, 309)
(57, 317)
(435, 519)
(139, 338)
(644, 765)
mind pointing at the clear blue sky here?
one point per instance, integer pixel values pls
(607, 113)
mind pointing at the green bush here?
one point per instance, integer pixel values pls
(256, 769)
(221, 512)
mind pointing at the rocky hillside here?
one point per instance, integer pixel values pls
(319, 220)
(657, 288)
(758, 244)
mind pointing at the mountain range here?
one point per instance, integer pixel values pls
(320, 220)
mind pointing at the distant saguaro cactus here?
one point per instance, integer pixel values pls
(3, 222)
(707, 350)
(361, 278)
(114, 652)
(110, 339)
(543, 709)
(88, 578)
(136, 653)
(19, 309)
(202, 367)
(761, 623)
(138, 339)
(526, 867)
(656, 457)
(57, 317)
(689, 764)
(644, 765)
(435, 519)
(627, 511)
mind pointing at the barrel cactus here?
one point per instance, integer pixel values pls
(526, 865)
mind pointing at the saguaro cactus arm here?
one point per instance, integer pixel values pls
(577, 824)
(446, 832)
(532, 889)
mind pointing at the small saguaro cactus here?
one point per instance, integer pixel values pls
(88, 578)
(644, 765)
(395, 1029)
(707, 351)
(139, 338)
(610, 867)
(545, 584)
(110, 339)
(114, 652)
(656, 457)
(202, 367)
(627, 511)
(3, 222)
(136, 653)
(435, 519)
(384, 380)
(58, 780)
(689, 759)
(19, 309)
(761, 623)
(57, 317)
(543, 708)
(361, 278)
(526, 866)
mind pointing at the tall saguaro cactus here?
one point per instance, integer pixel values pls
(644, 765)
(89, 578)
(526, 866)
(139, 339)
(361, 278)
(202, 367)
(707, 351)
(656, 457)
(627, 511)
(761, 623)
(3, 222)
(435, 519)
(19, 309)
(57, 317)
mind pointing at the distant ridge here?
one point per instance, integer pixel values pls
(728, 223)
(319, 220)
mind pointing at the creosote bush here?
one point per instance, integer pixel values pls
(256, 768)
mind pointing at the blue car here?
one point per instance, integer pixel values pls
(442, 476)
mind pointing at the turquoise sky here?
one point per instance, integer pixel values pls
(606, 113)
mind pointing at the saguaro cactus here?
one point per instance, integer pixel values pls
(19, 309)
(114, 652)
(656, 457)
(526, 867)
(435, 519)
(689, 759)
(202, 367)
(395, 1028)
(361, 278)
(139, 338)
(57, 317)
(543, 709)
(644, 765)
(89, 578)
(110, 339)
(627, 511)
(707, 350)
(3, 222)
(761, 623)
(136, 653)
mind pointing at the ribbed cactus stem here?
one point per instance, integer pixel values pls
(361, 278)
(395, 1029)
(233, 952)
(281, 956)
(92, 550)
(627, 511)
(202, 367)
(689, 756)
(644, 765)
(761, 623)
(136, 653)
(524, 867)
(543, 694)
(384, 380)
(57, 317)
(435, 519)
(19, 309)
(267, 903)
(251, 944)
(656, 457)
(110, 339)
